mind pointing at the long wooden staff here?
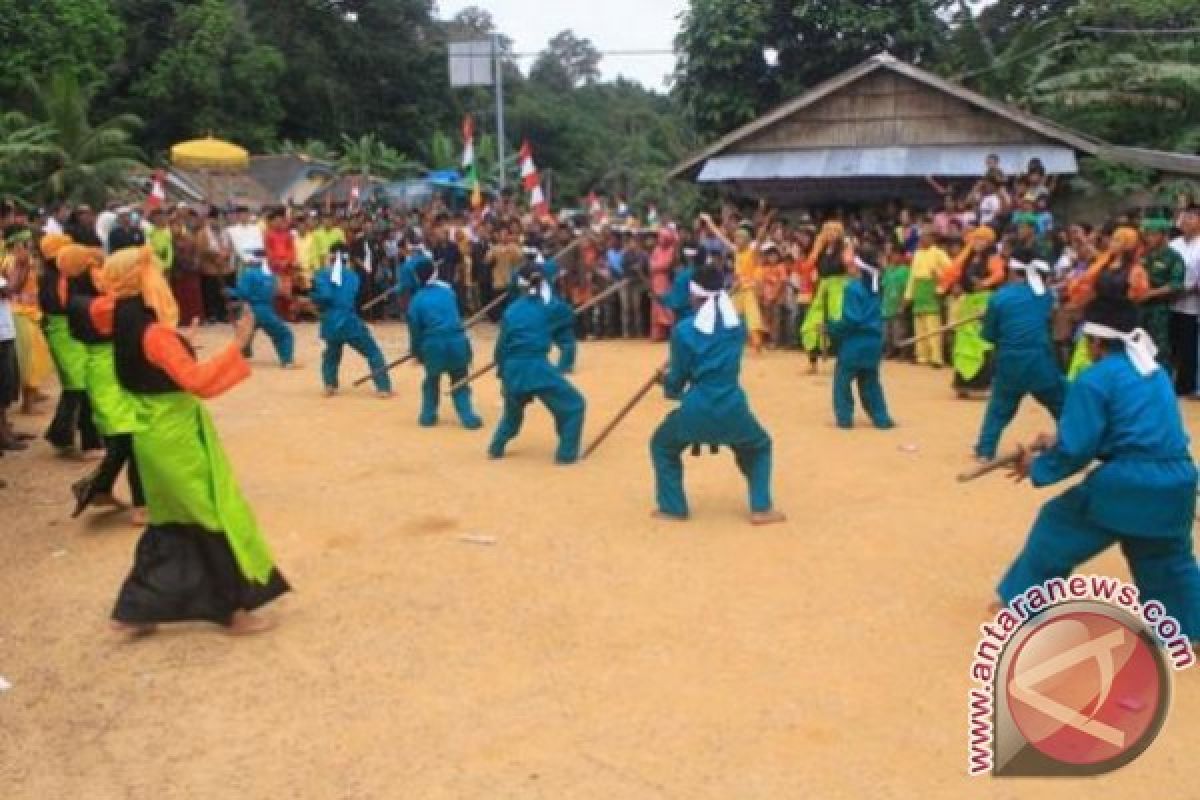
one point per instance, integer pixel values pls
(470, 323)
(626, 410)
(945, 329)
(588, 306)
(1003, 462)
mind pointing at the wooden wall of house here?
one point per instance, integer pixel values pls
(885, 109)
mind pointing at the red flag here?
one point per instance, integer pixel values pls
(158, 192)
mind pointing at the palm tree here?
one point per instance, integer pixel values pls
(368, 156)
(23, 146)
(313, 149)
(84, 161)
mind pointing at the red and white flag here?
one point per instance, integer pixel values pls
(158, 192)
(532, 181)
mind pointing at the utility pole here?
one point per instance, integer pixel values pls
(498, 63)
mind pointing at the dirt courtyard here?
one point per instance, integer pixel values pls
(462, 628)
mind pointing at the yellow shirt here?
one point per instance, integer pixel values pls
(927, 266)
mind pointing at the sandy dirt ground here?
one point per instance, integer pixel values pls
(588, 653)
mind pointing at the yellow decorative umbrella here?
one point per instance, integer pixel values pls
(209, 154)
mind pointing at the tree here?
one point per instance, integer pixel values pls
(84, 160)
(214, 77)
(567, 62)
(24, 145)
(84, 34)
(722, 77)
(368, 156)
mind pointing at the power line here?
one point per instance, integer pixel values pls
(1140, 31)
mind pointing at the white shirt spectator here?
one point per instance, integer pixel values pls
(8, 329)
(989, 208)
(245, 239)
(52, 226)
(1189, 303)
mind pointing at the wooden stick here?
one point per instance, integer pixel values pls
(479, 373)
(1003, 462)
(945, 329)
(470, 323)
(626, 410)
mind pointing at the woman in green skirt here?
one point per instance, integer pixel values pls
(202, 556)
(115, 411)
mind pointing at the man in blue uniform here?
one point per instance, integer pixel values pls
(1017, 322)
(258, 287)
(335, 291)
(562, 316)
(706, 359)
(439, 343)
(526, 373)
(1122, 412)
(858, 340)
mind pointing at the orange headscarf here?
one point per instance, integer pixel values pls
(135, 270)
(53, 243)
(75, 259)
(1124, 239)
(976, 241)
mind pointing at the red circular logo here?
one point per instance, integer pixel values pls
(1084, 689)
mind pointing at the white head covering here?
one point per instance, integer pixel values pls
(544, 291)
(339, 265)
(717, 303)
(871, 270)
(1139, 346)
(1033, 273)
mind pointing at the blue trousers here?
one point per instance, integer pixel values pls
(364, 344)
(431, 392)
(1164, 568)
(870, 392)
(563, 401)
(752, 451)
(1003, 405)
(266, 320)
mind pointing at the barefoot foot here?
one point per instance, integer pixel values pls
(771, 517)
(246, 623)
(664, 516)
(132, 628)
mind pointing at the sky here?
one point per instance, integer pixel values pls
(610, 24)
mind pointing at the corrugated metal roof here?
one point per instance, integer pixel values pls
(884, 162)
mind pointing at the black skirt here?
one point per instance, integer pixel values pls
(184, 573)
(982, 380)
(10, 374)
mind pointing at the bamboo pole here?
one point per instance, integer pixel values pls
(940, 331)
(626, 410)
(1003, 462)
(589, 305)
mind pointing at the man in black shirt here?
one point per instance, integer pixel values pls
(126, 233)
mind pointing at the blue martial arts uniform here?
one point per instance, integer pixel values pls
(562, 322)
(257, 289)
(438, 341)
(1018, 324)
(679, 299)
(703, 375)
(1142, 496)
(858, 340)
(526, 373)
(341, 326)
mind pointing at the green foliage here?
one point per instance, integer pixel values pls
(367, 155)
(82, 160)
(84, 34)
(723, 79)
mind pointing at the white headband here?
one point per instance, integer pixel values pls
(715, 303)
(873, 271)
(1139, 346)
(544, 291)
(1032, 272)
(339, 264)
